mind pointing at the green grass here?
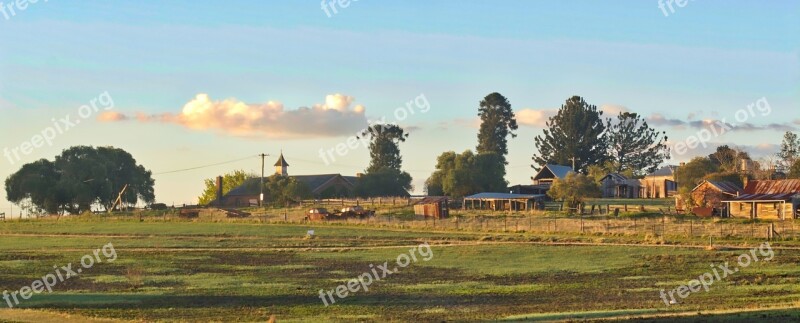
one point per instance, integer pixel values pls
(204, 271)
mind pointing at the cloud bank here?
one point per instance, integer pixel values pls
(538, 117)
(337, 116)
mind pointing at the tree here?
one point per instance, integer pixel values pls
(229, 181)
(634, 146)
(794, 172)
(283, 189)
(497, 123)
(574, 189)
(578, 132)
(691, 174)
(384, 176)
(38, 183)
(790, 149)
(728, 159)
(81, 177)
(459, 175)
(384, 182)
(384, 150)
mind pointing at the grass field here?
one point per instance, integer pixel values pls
(206, 271)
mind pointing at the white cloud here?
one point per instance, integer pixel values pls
(271, 120)
(535, 117)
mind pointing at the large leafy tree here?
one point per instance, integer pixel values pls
(635, 146)
(790, 149)
(497, 123)
(384, 146)
(81, 177)
(384, 176)
(37, 183)
(283, 189)
(693, 172)
(464, 174)
(578, 132)
(574, 189)
(728, 159)
(229, 181)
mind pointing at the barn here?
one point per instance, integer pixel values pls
(432, 206)
(766, 199)
(504, 201)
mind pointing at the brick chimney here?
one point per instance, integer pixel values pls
(219, 191)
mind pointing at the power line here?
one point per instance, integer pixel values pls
(205, 166)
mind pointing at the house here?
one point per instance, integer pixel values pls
(321, 186)
(659, 184)
(432, 206)
(768, 199)
(549, 173)
(616, 185)
(710, 194)
(708, 198)
(503, 201)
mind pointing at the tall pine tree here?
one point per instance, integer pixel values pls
(497, 123)
(578, 132)
(634, 146)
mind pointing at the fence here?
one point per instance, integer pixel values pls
(393, 201)
(665, 226)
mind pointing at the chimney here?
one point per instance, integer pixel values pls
(219, 191)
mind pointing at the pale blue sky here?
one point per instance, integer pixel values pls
(704, 61)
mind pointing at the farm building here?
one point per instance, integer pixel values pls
(432, 206)
(768, 199)
(321, 186)
(659, 184)
(708, 197)
(503, 201)
(549, 173)
(616, 185)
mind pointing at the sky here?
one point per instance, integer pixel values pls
(182, 84)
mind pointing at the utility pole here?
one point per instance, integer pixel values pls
(261, 197)
(573, 164)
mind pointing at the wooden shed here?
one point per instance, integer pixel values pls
(432, 206)
(772, 199)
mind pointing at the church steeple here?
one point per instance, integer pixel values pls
(281, 166)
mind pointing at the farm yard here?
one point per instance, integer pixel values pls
(213, 268)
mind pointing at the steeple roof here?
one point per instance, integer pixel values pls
(281, 161)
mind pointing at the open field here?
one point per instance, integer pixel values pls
(199, 271)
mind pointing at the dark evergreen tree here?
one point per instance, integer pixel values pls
(578, 132)
(497, 123)
(634, 146)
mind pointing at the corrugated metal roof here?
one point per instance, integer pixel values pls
(773, 190)
(504, 196)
